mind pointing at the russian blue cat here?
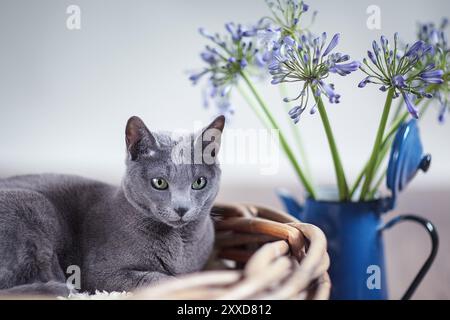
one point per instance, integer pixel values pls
(156, 225)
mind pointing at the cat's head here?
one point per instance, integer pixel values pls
(170, 179)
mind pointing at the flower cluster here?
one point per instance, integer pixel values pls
(286, 15)
(244, 48)
(440, 56)
(434, 35)
(404, 72)
(225, 59)
(285, 21)
(309, 61)
(280, 46)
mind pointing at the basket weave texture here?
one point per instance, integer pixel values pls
(260, 253)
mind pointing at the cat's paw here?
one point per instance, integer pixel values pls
(153, 278)
(51, 288)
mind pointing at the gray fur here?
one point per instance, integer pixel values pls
(121, 237)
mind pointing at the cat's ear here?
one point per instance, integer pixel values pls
(208, 142)
(138, 138)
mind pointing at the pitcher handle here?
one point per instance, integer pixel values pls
(431, 229)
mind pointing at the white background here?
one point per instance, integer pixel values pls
(65, 95)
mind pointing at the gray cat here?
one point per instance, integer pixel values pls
(156, 225)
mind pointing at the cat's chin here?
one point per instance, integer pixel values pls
(177, 224)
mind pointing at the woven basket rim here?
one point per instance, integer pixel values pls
(277, 257)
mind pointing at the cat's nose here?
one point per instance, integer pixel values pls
(181, 211)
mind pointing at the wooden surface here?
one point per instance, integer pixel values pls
(407, 245)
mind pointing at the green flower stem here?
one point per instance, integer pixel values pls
(358, 180)
(376, 147)
(340, 175)
(286, 148)
(373, 192)
(384, 150)
(254, 107)
(402, 119)
(425, 107)
(386, 145)
(396, 124)
(297, 137)
(398, 109)
(397, 120)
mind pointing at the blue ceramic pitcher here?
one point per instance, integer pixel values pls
(354, 230)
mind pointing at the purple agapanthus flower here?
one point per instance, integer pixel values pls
(267, 39)
(284, 21)
(286, 14)
(412, 109)
(309, 60)
(435, 36)
(245, 48)
(444, 106)
(405, 73)
(224, 58)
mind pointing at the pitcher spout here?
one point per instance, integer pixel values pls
(293, 207)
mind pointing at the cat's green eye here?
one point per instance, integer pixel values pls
(159, 184)
(199, 184)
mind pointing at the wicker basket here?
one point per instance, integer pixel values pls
(260, 253)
